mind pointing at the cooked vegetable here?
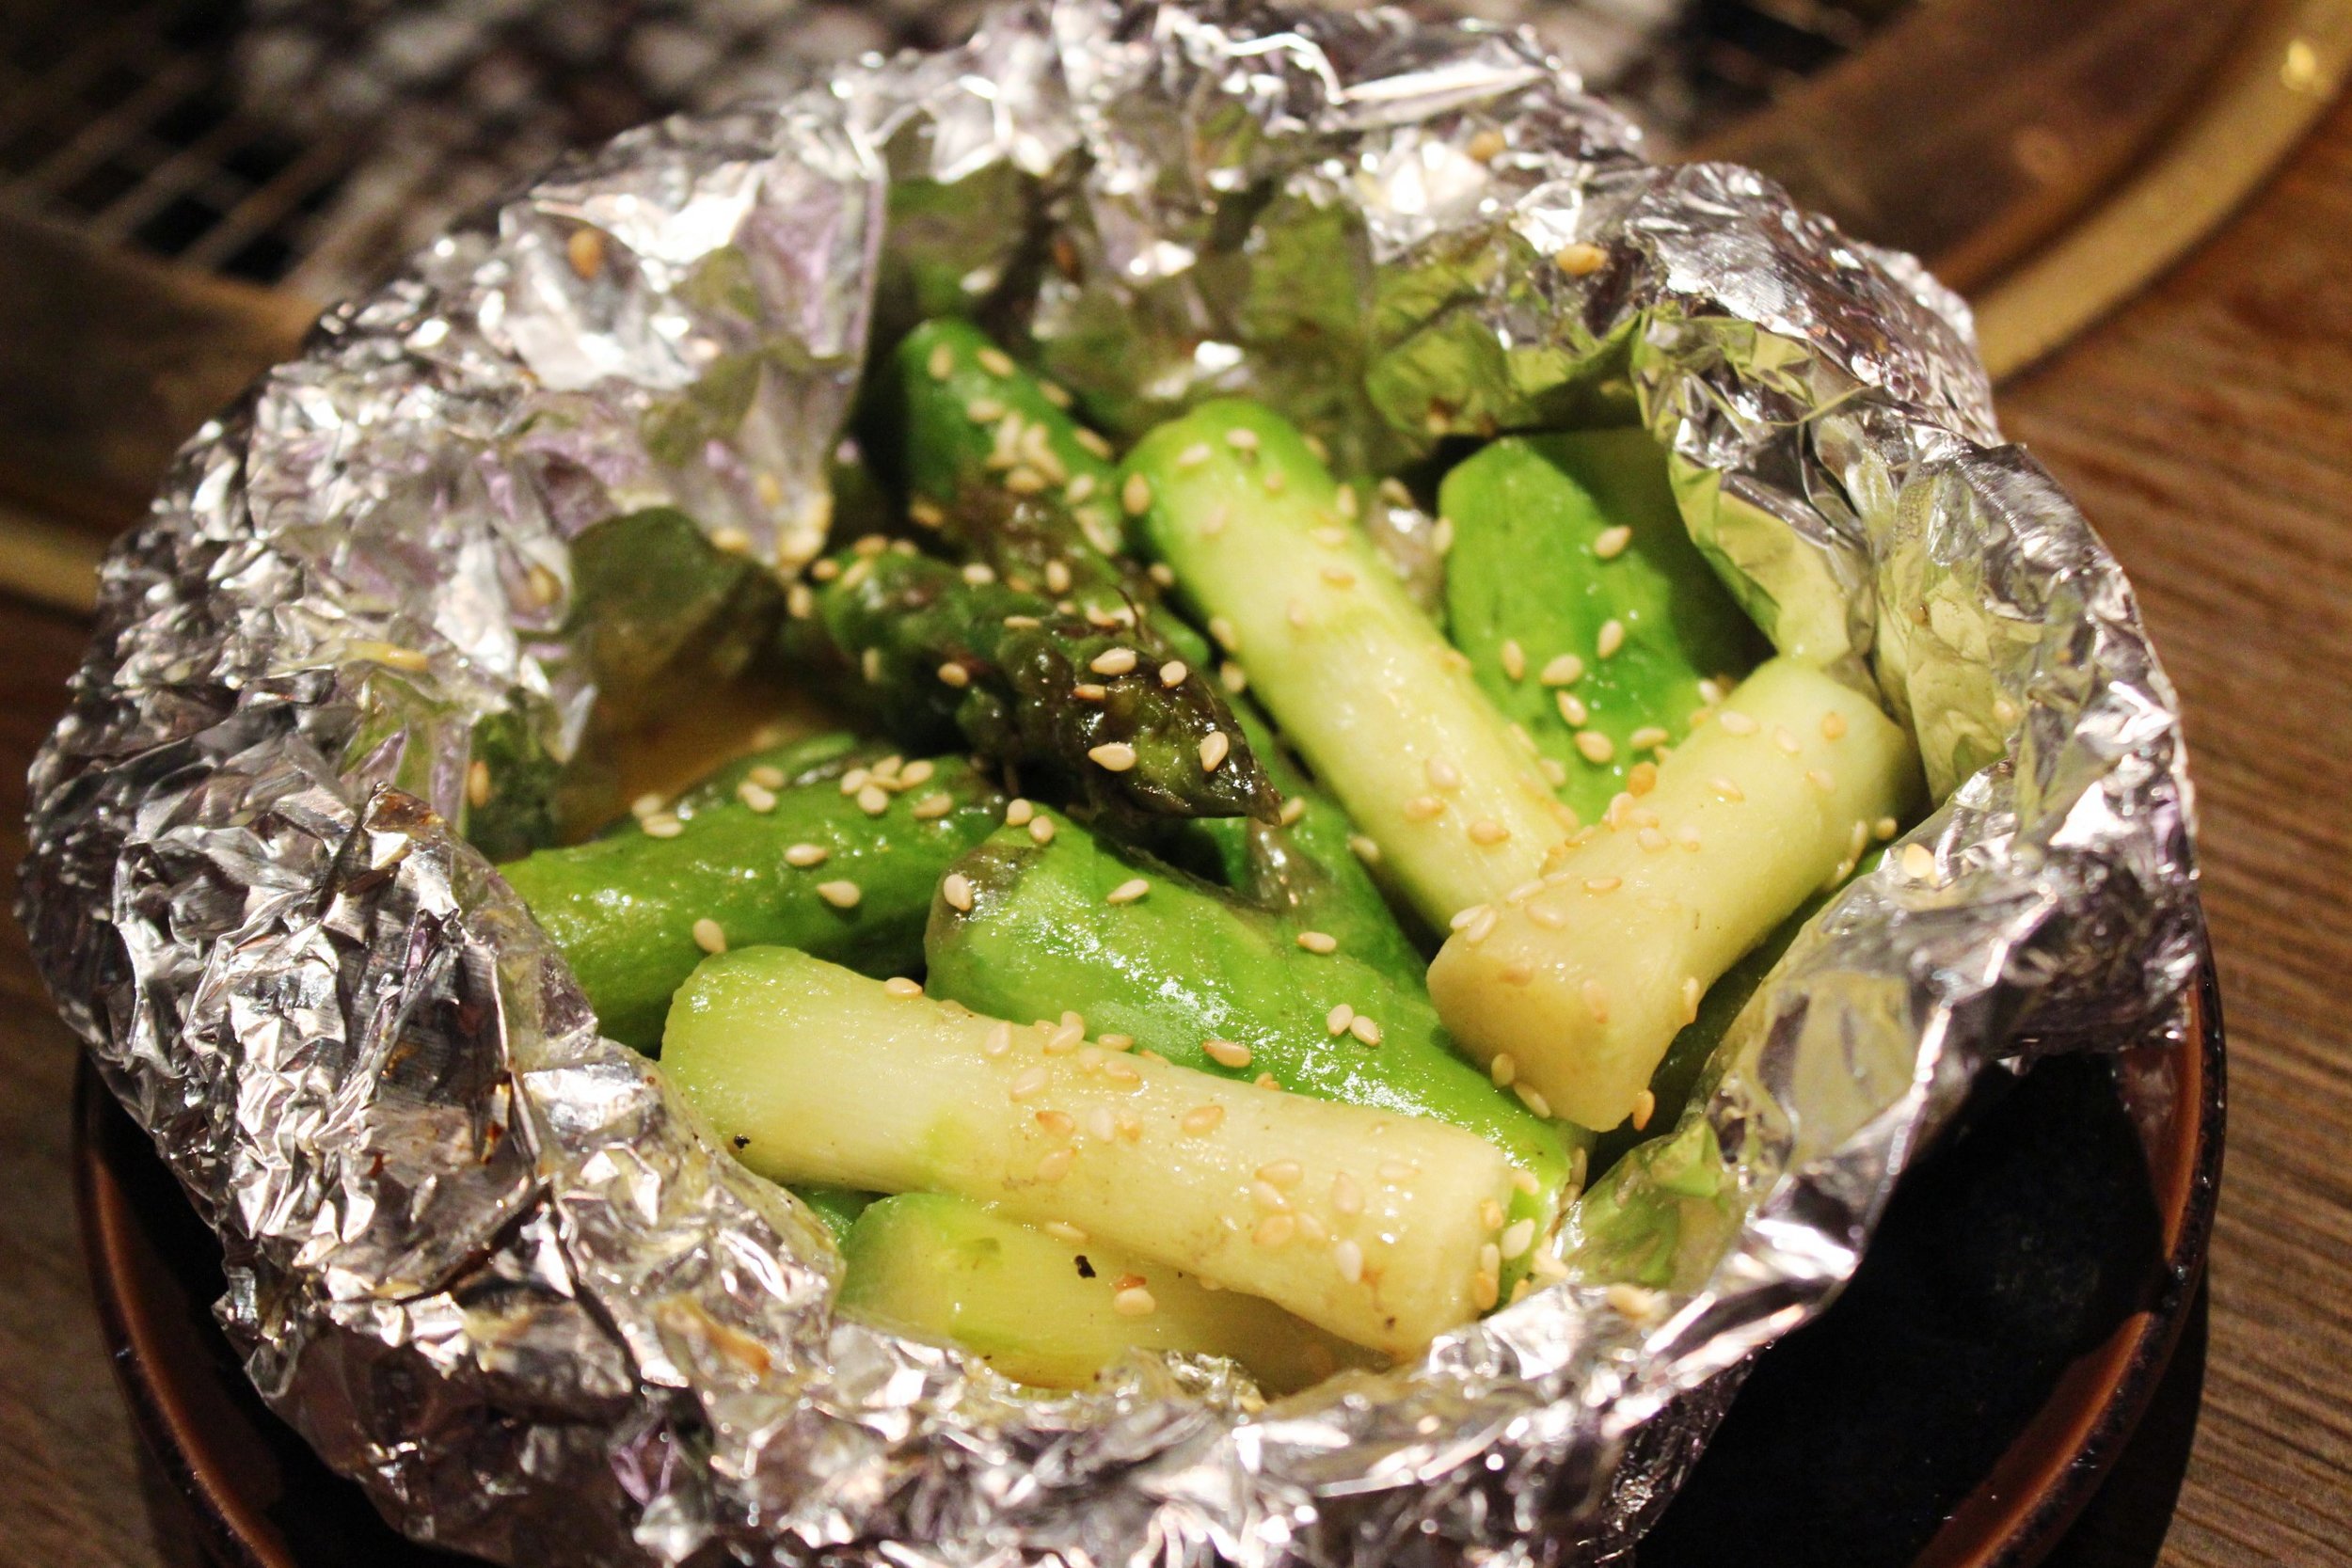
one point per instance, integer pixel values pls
(1583, 982)
(1361, 682)
(1046, 1309)
(1588, 615)
(1383, 1228)
(839, 1207)
(1145, 951)
(846, 872)
(1062, 697)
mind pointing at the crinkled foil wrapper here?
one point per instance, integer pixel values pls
(485, 1261)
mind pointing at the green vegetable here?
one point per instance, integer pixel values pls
(811, 759)
(1142, 950)
(1584, 981)
(626, 909)
(1588, 615)
(659, 607)
(510, 785)
(1360, 680)
(1044, 1309)
(1629, 1229)
(1369, 1223)
(1066, 701)
(837, 1207)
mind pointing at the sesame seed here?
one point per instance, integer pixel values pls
(1821, 779)
(1134, 1301)
(1116, 1042)
(1349, 1259)
(1567, 670)
(1242, 439)
(1918, 862)
(663, 825)
(1344, 501)
(1161, 572)
(1112, 661)
(1227, 1053)
(1031, 1080)
(1641, 777)
(918, 771)
(1193, 455)
(1516, 1237)
(1554, 774)
(1366, 850)
(1213, 747)
(869, 663)
(1339, 1018)
(1688, 835)
(806, 855)
(1596, 1001)
(710, 937)
(1548, 918)
(1274, 1231)
(1092, 441)
(1292, 810)
(1481, 927)
(1490, 1216)
(1647, 737)
(1121, 1074)
(1832, 725)
(1022, 623)
(1135, 495)
(1580, 261)
(1651, 840)
(873, 800)
(1610, 543)
(585, 249)
(930, 808)
(1365, 1030)
(1113, 757)
(1296, 612)
(1488, 145)
(1519, 972)
(1727, 789)
(983, 410)
(1424, 808)
(1785, 741)
(1042, 830)
(995, 361)
(1203, 1119)
(957, 890)
(1061, 1231)
(1265, 1080)
(1318, 941)
(1172, 673)
(1690, 994)
(477, 783)
(1057, 578)
(1489, 832)
(1595, 747)
(1633, 1302)
(1028, 481)
(1884, 829)
(1532, 1100)
(825, 570)
(1611, 636)
(841, 896)
(1213, 521)
(1338, 576)
(1572, 709)
(942, 363)
(760, 800)
(1091, 691)
(646, 805)
(1441, 534)
(1227, 636)
(1018, 811)
(1736, 722)
(1514, 658)
(1442, 774)
(1055, 393)
(1645, 1107)
(1394, 1171)
(1128, 891)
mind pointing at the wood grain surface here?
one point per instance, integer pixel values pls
(2208, 431)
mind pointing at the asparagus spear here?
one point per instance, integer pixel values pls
(1378, 1227)
(1583, 981)
(1586, 612)
(837, 1207)
(845, 874)
(1059, 695)
(1146, 953)
(1045, 1308)
(1384, 711)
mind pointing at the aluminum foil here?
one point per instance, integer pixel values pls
(494, 1270)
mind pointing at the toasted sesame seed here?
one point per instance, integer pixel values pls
(1122, 1074)
(1242, 438)
(1213, 521)
(710, 937)
(1338, 576)
(1821, 779)
(1442, 774)
(1519, 972)
(957, 889)
(1091, 691)
(1292, 810)
(1691, 995)
(1727, 789)
(1348, 1257)
(1128, 891)
(942, 364)
(1565, 669)
(1227, 1053)
(1022, 623)
(1547, 916)
(994, 360)
(1633, 1302)
(1112, 661)
(1736, 722)
(1424, 808)
(1918, 862)
(1133, 1302)
(1488, 832)
(873, 800)
(760, 800)
(646, 804)
(841, 896)
(1610, 543)
(1214, 748)
(1554, 774)
(825, 570)
(1223, 630)
(1832, 725)
(585, 249)
(1514, 658)
(1030, 1080)
(1135, 495)
(1394, 1171)
(1595, 747)
(662, 825)
(1042, 830)
(1018, 811)
(1596, 1001)
(1441, 534)
(1172, 673)
(1688, 835)
(1365, 1030)
(870, 664)
(1092, 441)
(1063, 1230)
(1532, 1100)
(1651, 840)
(1318, 941)
(1296, 612)
(1785, 741)
(1274, 1231)
(1339, 1018)
(1645, 1107)
(1028, 481)
(1580, 261)
(1612, 638)
(477, 783)
(1641, 777)
(1572, 709)
(1490, 1216)
(983, 410)
(1481, 927)
(1203, 1119)
(1365, 849)
(1884, 829)
(1516, 1237)
(1193, 455)
(1113, 757)
(1344, 501)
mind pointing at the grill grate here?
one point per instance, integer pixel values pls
(308, 144)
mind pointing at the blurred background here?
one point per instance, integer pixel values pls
(184, 182)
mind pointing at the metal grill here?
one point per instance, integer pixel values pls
(308, 143)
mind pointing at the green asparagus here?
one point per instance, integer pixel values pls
(1587, 614)
(1054, 1310)
(1379, 1227)
(844, 869)
(1360, 680)
(1143, 952)
(1062, 697)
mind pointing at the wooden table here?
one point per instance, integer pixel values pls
(2208, 431)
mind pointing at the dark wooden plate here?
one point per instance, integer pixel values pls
(1956, 1408)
